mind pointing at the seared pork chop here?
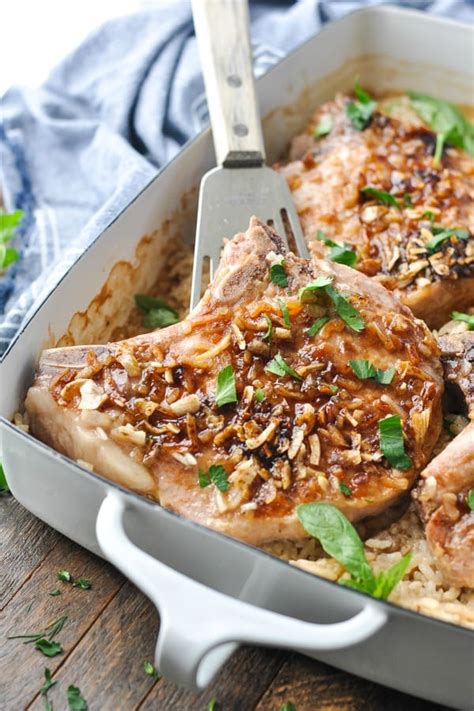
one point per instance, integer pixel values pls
(443, 491)
(300, 426)
(393, 241)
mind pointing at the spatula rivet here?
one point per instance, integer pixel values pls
(240, 129)
(234, 80)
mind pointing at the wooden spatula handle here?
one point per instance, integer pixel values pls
(222, 30)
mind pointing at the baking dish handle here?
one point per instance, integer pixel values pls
(201, 627)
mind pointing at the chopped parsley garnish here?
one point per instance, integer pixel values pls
(306, 292)
(285, 313)
(64, 575)
(365, 370)
(278, 366)
(340, 253)
(467, 318)
(450, 125)
(268, 335)
(9, 222)
(55, 592)
(324, 126)
(407, 200)
(259, 395)
(288, 707)
(212, 705)
(48, 682)
(333, 388)
(360, 112)
(344, 489)
(381, 196)
(150, 669)
(226, 391)
(3, 482)
(216, 475)
(278, 274)
(429, 215)
(345, 310)
(82, 583)
(317, 325)
(158, 314)
(48, 648)
(392, 443)
(340, 540)
(470, 499)
(441, 234)
(75, 700)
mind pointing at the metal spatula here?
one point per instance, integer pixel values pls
(241, 185)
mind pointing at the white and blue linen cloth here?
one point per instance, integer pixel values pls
(74, 152)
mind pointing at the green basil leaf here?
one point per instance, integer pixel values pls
(158, 314)
(3, 481)
(441, 234)
(467, 318)
(75, 700)
(317, 326)
(47, 647)
(259, 395)
(470, 499)
(345, 489)
(150, 669)
(337, 536)
(305, 293)
(285, 313)
(268, 335)
(218, 477)
(278, 366)
(204, 478)
(324, 126)
(278, 274)
(345, 310)
(388, 579)
(226, 391)
(392, 443)
(381, 196)
(48, 682)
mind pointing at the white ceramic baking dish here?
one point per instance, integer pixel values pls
(213, 592)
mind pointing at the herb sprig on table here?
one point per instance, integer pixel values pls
(340, 540)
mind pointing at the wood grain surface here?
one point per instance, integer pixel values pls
(111, 630)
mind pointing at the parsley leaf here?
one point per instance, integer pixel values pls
(306, 292)
(75, 700)
(49, 648)
(268, 335)
(48, 682)
(150, 669)
(259, 395)
(212, 705)
(340, 253)
(467, 318)
(360, 112)
(9, 222)
(55, 592)
(317, 325)
(407, 202)
(365, 370)
(429, 215)
(381, 196)
(441, 234)
(3, 482)
(158, 314)
(345, 489)
(470, 499)
(345, 310)
(333, 388)
(288, 707)
(226, 392)
(285, 313)
(279, 367)
(340, 540)
(82, 583)
(324, 126)
(216, 475)
(64, 575)
(278, 274)
(392, 443)
(450, 124)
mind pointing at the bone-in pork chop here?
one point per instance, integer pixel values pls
(395, 231)
(289, 420)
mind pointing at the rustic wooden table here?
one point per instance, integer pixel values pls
(111, 629)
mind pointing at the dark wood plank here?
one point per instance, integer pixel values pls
(238, 687)
(25, 542)
(107, 664)
(32, 608)
(314, 686)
